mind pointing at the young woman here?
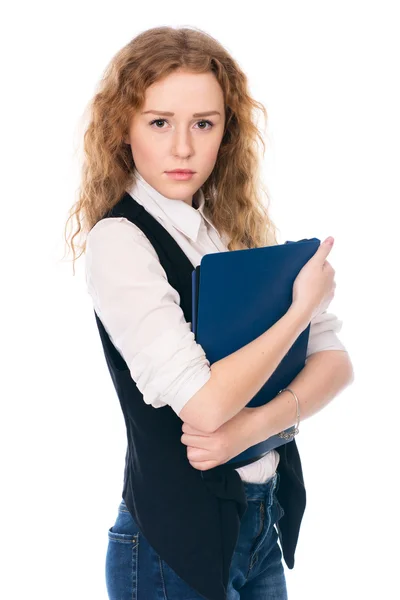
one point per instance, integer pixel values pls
(186, 528)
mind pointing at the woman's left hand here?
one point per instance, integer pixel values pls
(207, 450)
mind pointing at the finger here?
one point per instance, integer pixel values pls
(186, 428)
(324, 249)
(195, 440)
(198, 453)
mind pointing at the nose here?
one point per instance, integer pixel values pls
(182, 144)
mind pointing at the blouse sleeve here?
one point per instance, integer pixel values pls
(140, 311)
(323, 333)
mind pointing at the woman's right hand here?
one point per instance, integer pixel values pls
(314, 286)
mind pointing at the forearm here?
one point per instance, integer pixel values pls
(323, 377)
(236, 378)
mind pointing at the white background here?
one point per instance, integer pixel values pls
(328, 75)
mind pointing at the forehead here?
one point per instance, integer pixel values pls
(201, 90)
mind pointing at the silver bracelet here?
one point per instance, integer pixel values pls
(290, 435)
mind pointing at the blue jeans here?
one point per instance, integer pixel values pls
(134, 571)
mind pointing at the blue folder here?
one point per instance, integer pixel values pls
(238, 295)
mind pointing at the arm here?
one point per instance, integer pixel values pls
(236, 378)
(142, 315)
(326, 373)
(324, 376)
(239, 376)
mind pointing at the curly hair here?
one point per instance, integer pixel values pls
(232, 192)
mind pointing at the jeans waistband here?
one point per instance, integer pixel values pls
(259, 491)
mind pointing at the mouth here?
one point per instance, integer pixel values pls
(187, 171)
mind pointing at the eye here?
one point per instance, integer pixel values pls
(162, 120)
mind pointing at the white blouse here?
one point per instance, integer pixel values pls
(141, 313)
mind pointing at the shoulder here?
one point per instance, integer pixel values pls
(116, 249)
(116, 233)
(113, 226)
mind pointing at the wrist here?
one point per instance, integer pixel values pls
(301, 314)
(257, 425)
(278, 415)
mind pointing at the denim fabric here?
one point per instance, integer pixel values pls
(134, 571)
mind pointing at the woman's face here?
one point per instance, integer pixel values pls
(161, 142)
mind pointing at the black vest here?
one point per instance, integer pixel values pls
(191, 518)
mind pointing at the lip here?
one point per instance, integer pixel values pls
(180, 171)
(180, 175)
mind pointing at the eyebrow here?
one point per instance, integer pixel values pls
(171, 114)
